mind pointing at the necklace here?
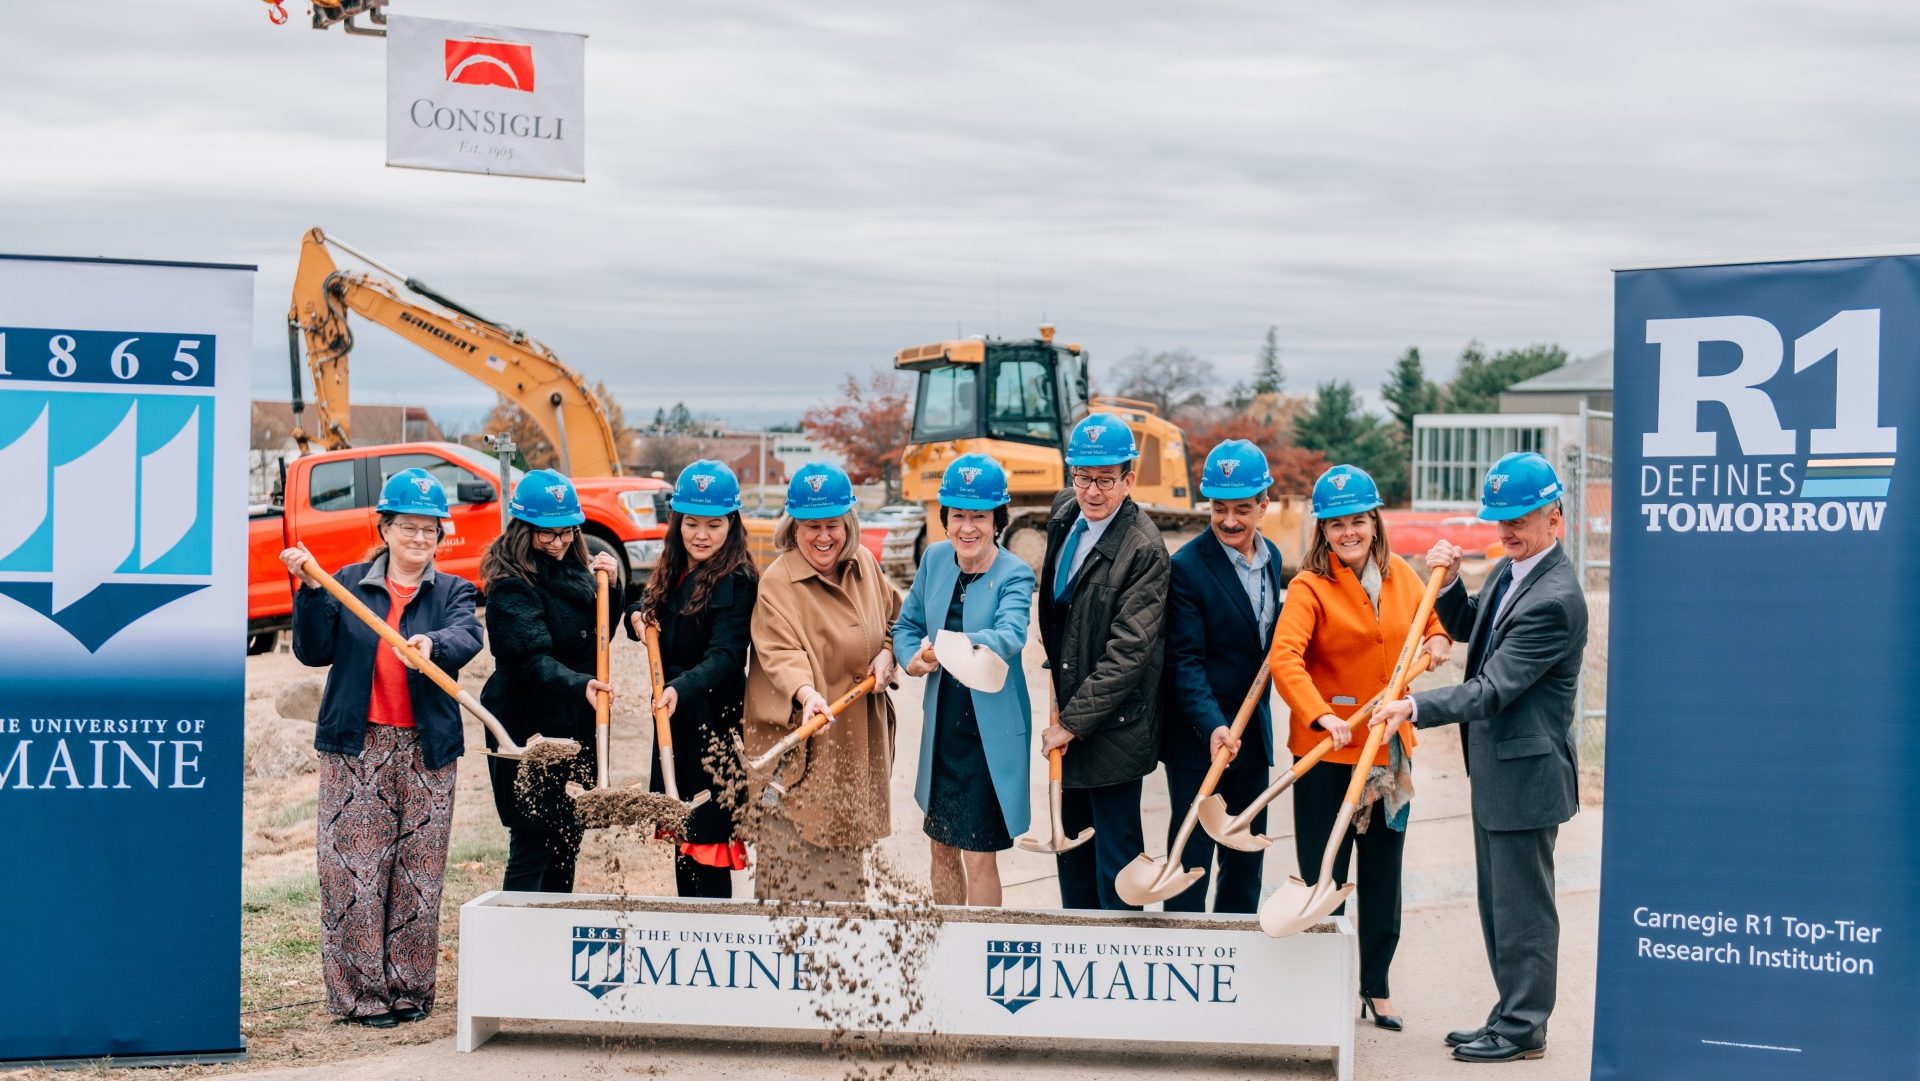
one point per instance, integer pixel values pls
(967, 578)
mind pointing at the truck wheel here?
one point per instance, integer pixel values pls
(262, 643)
(617, 588)
(1027, 538)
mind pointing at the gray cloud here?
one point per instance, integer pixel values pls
(779, 193)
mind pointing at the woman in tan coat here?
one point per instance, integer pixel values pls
(821, 625)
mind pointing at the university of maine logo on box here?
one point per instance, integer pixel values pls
(106, 474)
(599, 959)
(1013, 973)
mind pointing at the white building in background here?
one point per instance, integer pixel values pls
(1453, 451)
(795, 449)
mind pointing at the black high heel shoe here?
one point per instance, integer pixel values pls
(1389, 1021)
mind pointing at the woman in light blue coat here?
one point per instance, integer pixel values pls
(974, 745)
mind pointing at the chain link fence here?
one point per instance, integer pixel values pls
(1589, 468)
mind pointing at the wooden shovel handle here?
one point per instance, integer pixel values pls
(1397, 686)
(1421, 662)
(1248, 705)
(393, 638)
(662, 727)
(817, 722)
(601, 665)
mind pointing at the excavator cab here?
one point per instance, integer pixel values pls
(1018, 401)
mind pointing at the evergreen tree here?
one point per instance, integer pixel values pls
(1477, 385)
(1338, 428)
(1268, 377)
(1407, 390)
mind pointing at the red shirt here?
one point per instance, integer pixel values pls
(392, 703)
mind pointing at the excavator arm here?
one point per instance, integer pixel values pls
(521, 369)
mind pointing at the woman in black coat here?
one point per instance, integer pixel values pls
(701, 596)
(540, 629)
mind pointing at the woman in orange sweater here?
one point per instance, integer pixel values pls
(1347, 614)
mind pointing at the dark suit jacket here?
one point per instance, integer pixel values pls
(1517, 710)
(1214, 649)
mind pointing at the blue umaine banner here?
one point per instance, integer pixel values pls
(123, 452)
(1760, 891)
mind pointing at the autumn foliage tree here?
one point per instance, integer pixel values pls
(867, 426)
(1294, 468)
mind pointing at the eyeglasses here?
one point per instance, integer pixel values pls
(1083, 481)
(553, 536)
(411, 532)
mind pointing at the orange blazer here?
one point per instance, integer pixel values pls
(1329, 644)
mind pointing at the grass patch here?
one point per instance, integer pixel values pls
(280, 942)
(292, 815)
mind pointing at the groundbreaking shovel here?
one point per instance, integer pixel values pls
(1296, 906)
(1058, 842)
(662, 724)
(1147, 879)
(1236, 831)
(976, 667)
(562, 748)
(765, 766)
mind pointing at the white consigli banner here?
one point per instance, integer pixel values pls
(474, 98)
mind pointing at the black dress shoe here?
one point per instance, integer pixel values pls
(372, 1020)
(1389, 1021)
(1494, 1047)
(408, 1013)
(1465, 1035)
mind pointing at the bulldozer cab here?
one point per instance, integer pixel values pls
(1023, 392)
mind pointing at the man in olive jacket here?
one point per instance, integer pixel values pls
(1103, 589)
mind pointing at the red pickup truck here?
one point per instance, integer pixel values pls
(328, 505)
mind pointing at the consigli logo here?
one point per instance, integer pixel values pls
(479, 61)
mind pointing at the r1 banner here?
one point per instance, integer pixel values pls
(472, 98)
(123, 439)
(1760, 886)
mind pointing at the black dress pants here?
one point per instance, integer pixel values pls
(1239, 889)
(540, 861)
(1316, 803)
(1087, 872)
(696, 879)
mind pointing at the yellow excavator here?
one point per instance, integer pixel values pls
(1018, 401)
(521, 369)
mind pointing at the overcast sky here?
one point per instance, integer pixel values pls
(779, 193)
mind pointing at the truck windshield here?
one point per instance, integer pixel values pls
(485, 463)
(948, 404)
(1020, 402)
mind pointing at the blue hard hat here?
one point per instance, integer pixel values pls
(707, 487)
(545, 499)
(1343, 490)
(1236, 469)
(819, 490)
(1101, 439)
(974, 482)
(413, 491)
(1520, 483)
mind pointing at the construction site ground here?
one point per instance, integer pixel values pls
(1440, 977)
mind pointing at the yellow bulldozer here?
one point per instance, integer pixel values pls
(1018, 400)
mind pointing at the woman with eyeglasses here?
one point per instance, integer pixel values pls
(389, 744)
(540, 629)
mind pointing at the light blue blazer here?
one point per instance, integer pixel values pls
(995, 615)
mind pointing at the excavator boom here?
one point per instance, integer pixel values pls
(520, 369)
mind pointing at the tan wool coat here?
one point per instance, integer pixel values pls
(807, 630)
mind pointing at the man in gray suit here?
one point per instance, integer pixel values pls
(1526, 631)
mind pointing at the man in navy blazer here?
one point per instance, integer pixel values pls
(1221, 610)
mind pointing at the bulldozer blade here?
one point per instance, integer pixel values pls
(1234, 831)
(1147, 880)
(1296, 906)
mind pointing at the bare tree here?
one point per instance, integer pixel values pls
(1174, 380)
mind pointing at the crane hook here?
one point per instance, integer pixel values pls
(276, 13)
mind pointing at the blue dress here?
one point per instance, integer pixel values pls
(962, 810)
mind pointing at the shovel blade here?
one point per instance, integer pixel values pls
(1224, 828)
(1147, 880)
(1058, 843)
(1296, 906)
